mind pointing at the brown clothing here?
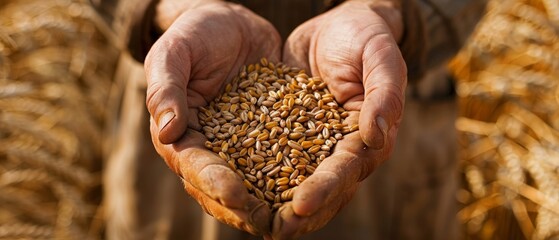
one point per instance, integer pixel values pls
(411, 196)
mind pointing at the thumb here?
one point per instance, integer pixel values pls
(167, 76)
(384, 84)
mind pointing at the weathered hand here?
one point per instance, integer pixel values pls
(186, 68)
(354, 49)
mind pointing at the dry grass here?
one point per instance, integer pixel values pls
(508, 85)
(55, 71)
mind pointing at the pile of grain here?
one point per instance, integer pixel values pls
(508, 85)
(55, 71)
(274, 125)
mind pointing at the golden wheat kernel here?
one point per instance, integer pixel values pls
(262, 136)
(329, 143)
(258, 174)
(248, 142)
(295, 153)
(292, 182)
(224, 146)
(270, 184)
(267, 168)
(294, 112)
(248, 184)
(310, 133)
(232, 164)
(270, 125)
(306, 144)
(284, 174)
(254, 133)
(240, 173)
(223, 156)
(242, 162)
(261, 153)
(269, 154)
(243, 152)
(250, 163)
(260, 184)
(279, 156)
(259, 194)
(282, 188)
(296, 135)
(325, 133)
(302, 119)
(257, 158)
(287, 169)
(287, 195)
(273, 172)
(283, 140)
(294, 145)
(294, 174)
(269, 196)
(282, 181)
(318, 141)
(250, 177)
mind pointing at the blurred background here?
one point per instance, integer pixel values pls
(56, 67)
(58, 88)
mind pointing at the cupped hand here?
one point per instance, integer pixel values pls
(353, 47)
(205, 45)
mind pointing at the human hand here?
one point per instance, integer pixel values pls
(354, 49)
(186, 68)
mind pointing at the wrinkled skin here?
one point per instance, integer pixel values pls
(352, 47)
(186, 68)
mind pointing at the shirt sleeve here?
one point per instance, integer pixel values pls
(132, 22)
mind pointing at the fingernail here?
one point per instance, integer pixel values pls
(380, 138)
(165, 119)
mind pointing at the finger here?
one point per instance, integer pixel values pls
(254, 218)
(167, 77)
(189, 159)
(337, 173)
(288, 225)
(384, 81)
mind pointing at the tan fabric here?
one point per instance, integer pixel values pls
(410, 197)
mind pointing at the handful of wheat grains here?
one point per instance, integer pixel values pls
(273, 125)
